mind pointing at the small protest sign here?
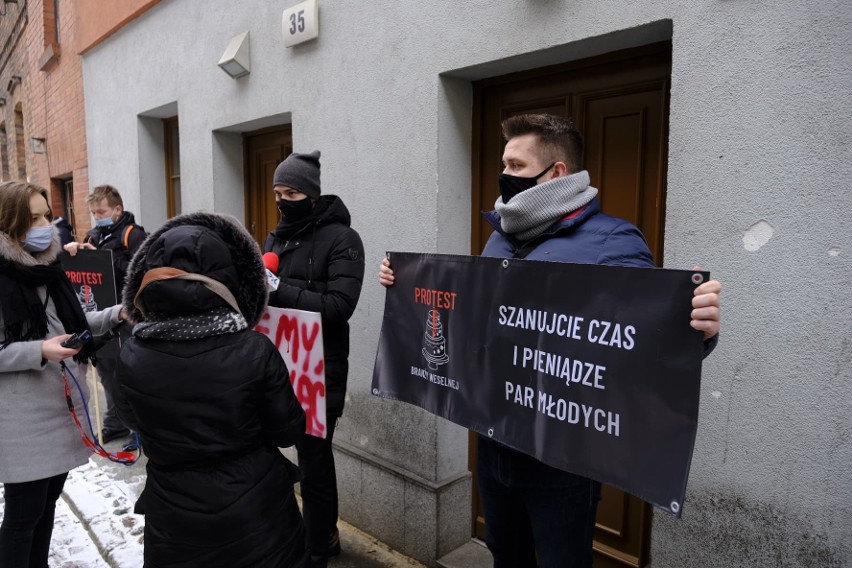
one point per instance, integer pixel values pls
(92, 277)
(298, 336)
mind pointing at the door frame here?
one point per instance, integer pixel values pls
(643, 516)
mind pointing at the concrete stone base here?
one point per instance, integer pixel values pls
(472, 554)
(417, 517)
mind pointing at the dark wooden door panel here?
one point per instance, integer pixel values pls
(620, 104)
(624, 155)
(264, 150)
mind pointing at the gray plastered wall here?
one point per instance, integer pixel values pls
(760, 147)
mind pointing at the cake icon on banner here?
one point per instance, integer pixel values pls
(434, 342)
(87, 299)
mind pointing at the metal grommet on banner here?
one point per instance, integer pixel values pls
(376, 392)
(505, 263)
(697, 278)
(675, 507)
(491, 432)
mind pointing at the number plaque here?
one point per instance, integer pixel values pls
(300, 23)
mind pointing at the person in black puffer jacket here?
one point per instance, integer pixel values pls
(321, 267)
(211, 400)
(114, 230)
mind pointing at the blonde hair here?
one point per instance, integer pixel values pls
(108, 192)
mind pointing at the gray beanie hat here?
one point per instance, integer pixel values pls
(301, 172)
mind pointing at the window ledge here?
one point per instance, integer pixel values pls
(50, 56)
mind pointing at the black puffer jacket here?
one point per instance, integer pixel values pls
(321, 266)
(123, 238)
(211, 412)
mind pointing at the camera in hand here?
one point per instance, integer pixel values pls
(77, 340)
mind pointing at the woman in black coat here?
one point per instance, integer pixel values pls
(211, 400)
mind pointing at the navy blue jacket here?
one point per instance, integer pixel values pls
(585, 236)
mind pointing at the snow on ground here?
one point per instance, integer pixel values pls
(102, 495)
(71, 546)
(114, 536)
(107, 505)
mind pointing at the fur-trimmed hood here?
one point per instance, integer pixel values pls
(243, 274)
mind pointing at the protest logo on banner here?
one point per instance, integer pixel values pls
(298, 337)
(92, 277)
(591, 369)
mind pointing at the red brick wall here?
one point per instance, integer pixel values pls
(13, 29)
(51, 97)
(99, 19)
(50, 93)
(55, 96)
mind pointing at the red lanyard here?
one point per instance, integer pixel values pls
(126, 458)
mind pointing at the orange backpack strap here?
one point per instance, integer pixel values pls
(126, 239)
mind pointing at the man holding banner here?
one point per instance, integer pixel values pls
(548, 211)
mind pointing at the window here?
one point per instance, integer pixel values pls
(172, 146)
(64, 188)
(20, 146)
(4, 154)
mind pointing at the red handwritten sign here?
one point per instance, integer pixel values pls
(298, 337)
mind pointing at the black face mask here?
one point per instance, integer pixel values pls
(295, 210)
(510, 186)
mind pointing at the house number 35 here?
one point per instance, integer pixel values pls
(297, 22)
(300, 23)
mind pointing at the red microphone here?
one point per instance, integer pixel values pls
(270, 261)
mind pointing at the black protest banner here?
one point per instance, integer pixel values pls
(591, 369)
(92, 277)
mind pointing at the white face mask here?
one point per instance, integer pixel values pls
(38, 239)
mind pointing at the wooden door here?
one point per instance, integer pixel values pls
(619, 102)
(264, 150)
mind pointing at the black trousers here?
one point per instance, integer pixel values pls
(107, 363)
(319, 489)
(28, 521)
(535, 510)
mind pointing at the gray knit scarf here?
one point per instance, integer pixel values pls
(531, 212)
(218, 321)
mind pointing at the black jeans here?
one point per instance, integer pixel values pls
(28, 522)
(319, 489)
(532, 509)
